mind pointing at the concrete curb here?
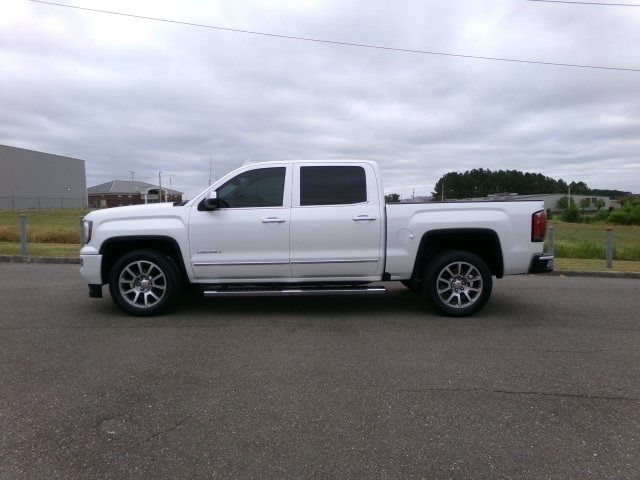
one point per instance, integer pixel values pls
(21, 259)
(579, 273)
(555, 273)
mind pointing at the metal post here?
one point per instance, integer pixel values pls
(609, 247)
(552, 240)
(61, 202)
(39, 203)
(13, 205)
(24, 251)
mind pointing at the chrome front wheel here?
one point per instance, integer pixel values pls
(144, 282)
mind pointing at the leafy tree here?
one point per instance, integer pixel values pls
(629, 214)
(392, 198)
(481, 182)
(579, 188)
(585, 203)
(563, 203)
(610, 193)
(571, 213)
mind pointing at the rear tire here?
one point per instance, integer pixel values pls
(144, 282)
(458, 282)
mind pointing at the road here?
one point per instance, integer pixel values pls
(543, 383)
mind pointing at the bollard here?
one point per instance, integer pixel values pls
(24, 251)
(609, 247)
(552, 240)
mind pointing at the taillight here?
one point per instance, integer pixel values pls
(538, 226)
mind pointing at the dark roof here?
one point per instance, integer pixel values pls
(127, 187)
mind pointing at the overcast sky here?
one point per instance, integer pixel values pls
(130, 94)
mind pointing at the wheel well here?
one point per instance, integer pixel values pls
(114, 248)
(483, 242)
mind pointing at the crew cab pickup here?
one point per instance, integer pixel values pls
(309, 228)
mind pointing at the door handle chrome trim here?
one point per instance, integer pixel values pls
(273, 220)
(364, 218)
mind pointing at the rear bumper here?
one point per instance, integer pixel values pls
(541, 263)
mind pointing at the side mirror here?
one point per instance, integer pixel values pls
(211, 202)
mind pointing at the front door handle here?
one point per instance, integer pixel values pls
(364, 218)
(273, 220)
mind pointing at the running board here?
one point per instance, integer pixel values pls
(301, 291)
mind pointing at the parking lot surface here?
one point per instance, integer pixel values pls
(543, 383)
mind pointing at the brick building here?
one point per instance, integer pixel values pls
(120, 193)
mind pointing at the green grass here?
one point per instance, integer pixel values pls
(43, 226)
(593, 265)
(579, 240)
(42, 249)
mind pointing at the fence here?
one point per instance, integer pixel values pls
(14, 203)
(551, 239)
(551, 242)
(24, 235)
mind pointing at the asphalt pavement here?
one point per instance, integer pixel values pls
(542, 383)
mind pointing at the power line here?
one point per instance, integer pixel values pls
(336, 42)
(589, 3)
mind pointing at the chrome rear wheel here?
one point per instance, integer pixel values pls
(458, 282)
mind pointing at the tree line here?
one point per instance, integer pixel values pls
(481, 182)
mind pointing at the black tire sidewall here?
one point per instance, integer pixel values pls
(438, 263)
(168, 269)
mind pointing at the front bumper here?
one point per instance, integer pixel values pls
(91, 269)
(541, 263)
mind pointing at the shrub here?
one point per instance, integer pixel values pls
(629, 214)
(601, 216)
(571, 213)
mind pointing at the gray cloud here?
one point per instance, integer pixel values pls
(131, 94)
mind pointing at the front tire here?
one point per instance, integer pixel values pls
(458, 282)
(144, 283)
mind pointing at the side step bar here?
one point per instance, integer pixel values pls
(297, 291)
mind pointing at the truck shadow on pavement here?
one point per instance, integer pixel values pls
(398, 304)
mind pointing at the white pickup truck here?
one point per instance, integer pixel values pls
(309, 228)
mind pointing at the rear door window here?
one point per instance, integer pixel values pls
(332, 185)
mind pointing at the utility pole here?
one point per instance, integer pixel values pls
(210, 169)
(160, 185)
(413, 195)
(131, 172)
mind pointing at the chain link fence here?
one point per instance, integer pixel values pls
(14, 203)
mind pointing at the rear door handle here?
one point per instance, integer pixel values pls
(364, 218)
(273, 220)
